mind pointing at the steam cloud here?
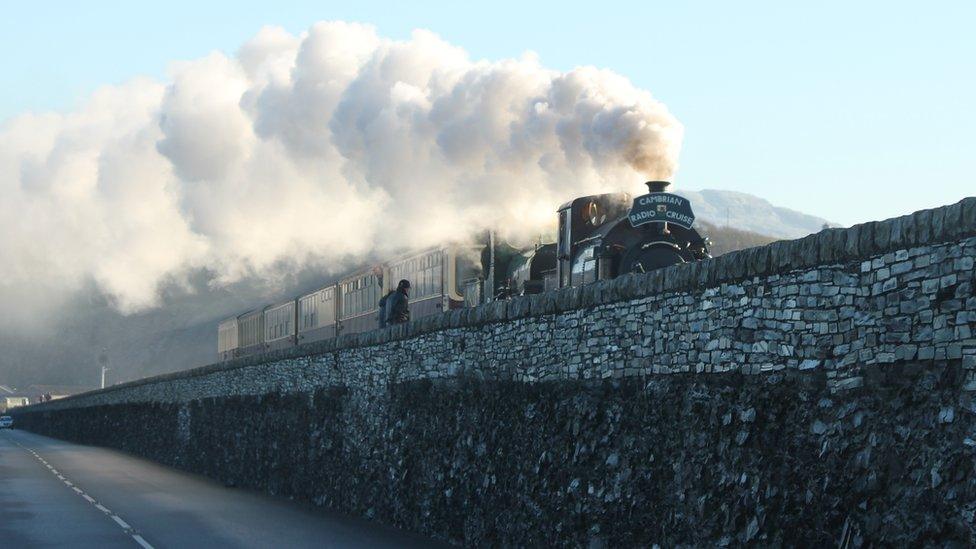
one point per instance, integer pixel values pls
(309, 149)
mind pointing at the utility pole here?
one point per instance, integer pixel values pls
(103, 360)
(489, 292)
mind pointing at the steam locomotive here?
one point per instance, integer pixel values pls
(599, 237)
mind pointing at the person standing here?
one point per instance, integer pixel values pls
(398, 304)
(381, 313)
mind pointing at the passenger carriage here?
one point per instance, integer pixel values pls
(436, 276)
(317, 315)
(227, 337)
(279, 325)
(359, 297)
(250, 332)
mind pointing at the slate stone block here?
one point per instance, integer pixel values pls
(882, 235)
(923, 226)
(589, 295)
(852, 241)
(937, 224)
(759, 260)
(954, 226)
(627, 285)
(969, 216)
(865, 235)
(822, 242)
(896, 235)
(567, 299)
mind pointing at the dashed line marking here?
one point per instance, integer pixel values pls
(118, 520)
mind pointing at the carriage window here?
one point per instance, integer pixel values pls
(309, 311)
(423, 272)
(358, 296)
(438, 278)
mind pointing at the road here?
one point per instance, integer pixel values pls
(57, 494)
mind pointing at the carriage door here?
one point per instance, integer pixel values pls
(564, 247)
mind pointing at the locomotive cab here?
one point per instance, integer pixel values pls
(582, 225)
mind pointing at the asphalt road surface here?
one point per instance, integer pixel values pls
(57, 494)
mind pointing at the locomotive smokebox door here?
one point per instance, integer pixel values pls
(649, 256)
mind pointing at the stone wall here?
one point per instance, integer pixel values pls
(762, 395)
(722, 459)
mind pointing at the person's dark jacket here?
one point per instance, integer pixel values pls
(381, 314)
(397, 308)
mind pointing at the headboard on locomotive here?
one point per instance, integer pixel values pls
(606, 235)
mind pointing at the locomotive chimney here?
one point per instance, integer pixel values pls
(657, 186)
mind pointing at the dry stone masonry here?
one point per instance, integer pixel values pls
(778, 395)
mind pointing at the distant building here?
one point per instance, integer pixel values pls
(11, 398)
(6, 403)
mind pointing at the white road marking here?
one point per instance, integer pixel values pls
(125, 526)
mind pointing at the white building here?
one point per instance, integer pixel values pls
(9, 398)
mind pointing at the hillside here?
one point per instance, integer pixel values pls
(729, 239)
(751, 213)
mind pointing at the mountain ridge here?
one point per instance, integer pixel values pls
(744, 211)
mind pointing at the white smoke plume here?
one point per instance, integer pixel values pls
(309, 149)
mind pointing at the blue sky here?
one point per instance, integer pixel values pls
(852, 111)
